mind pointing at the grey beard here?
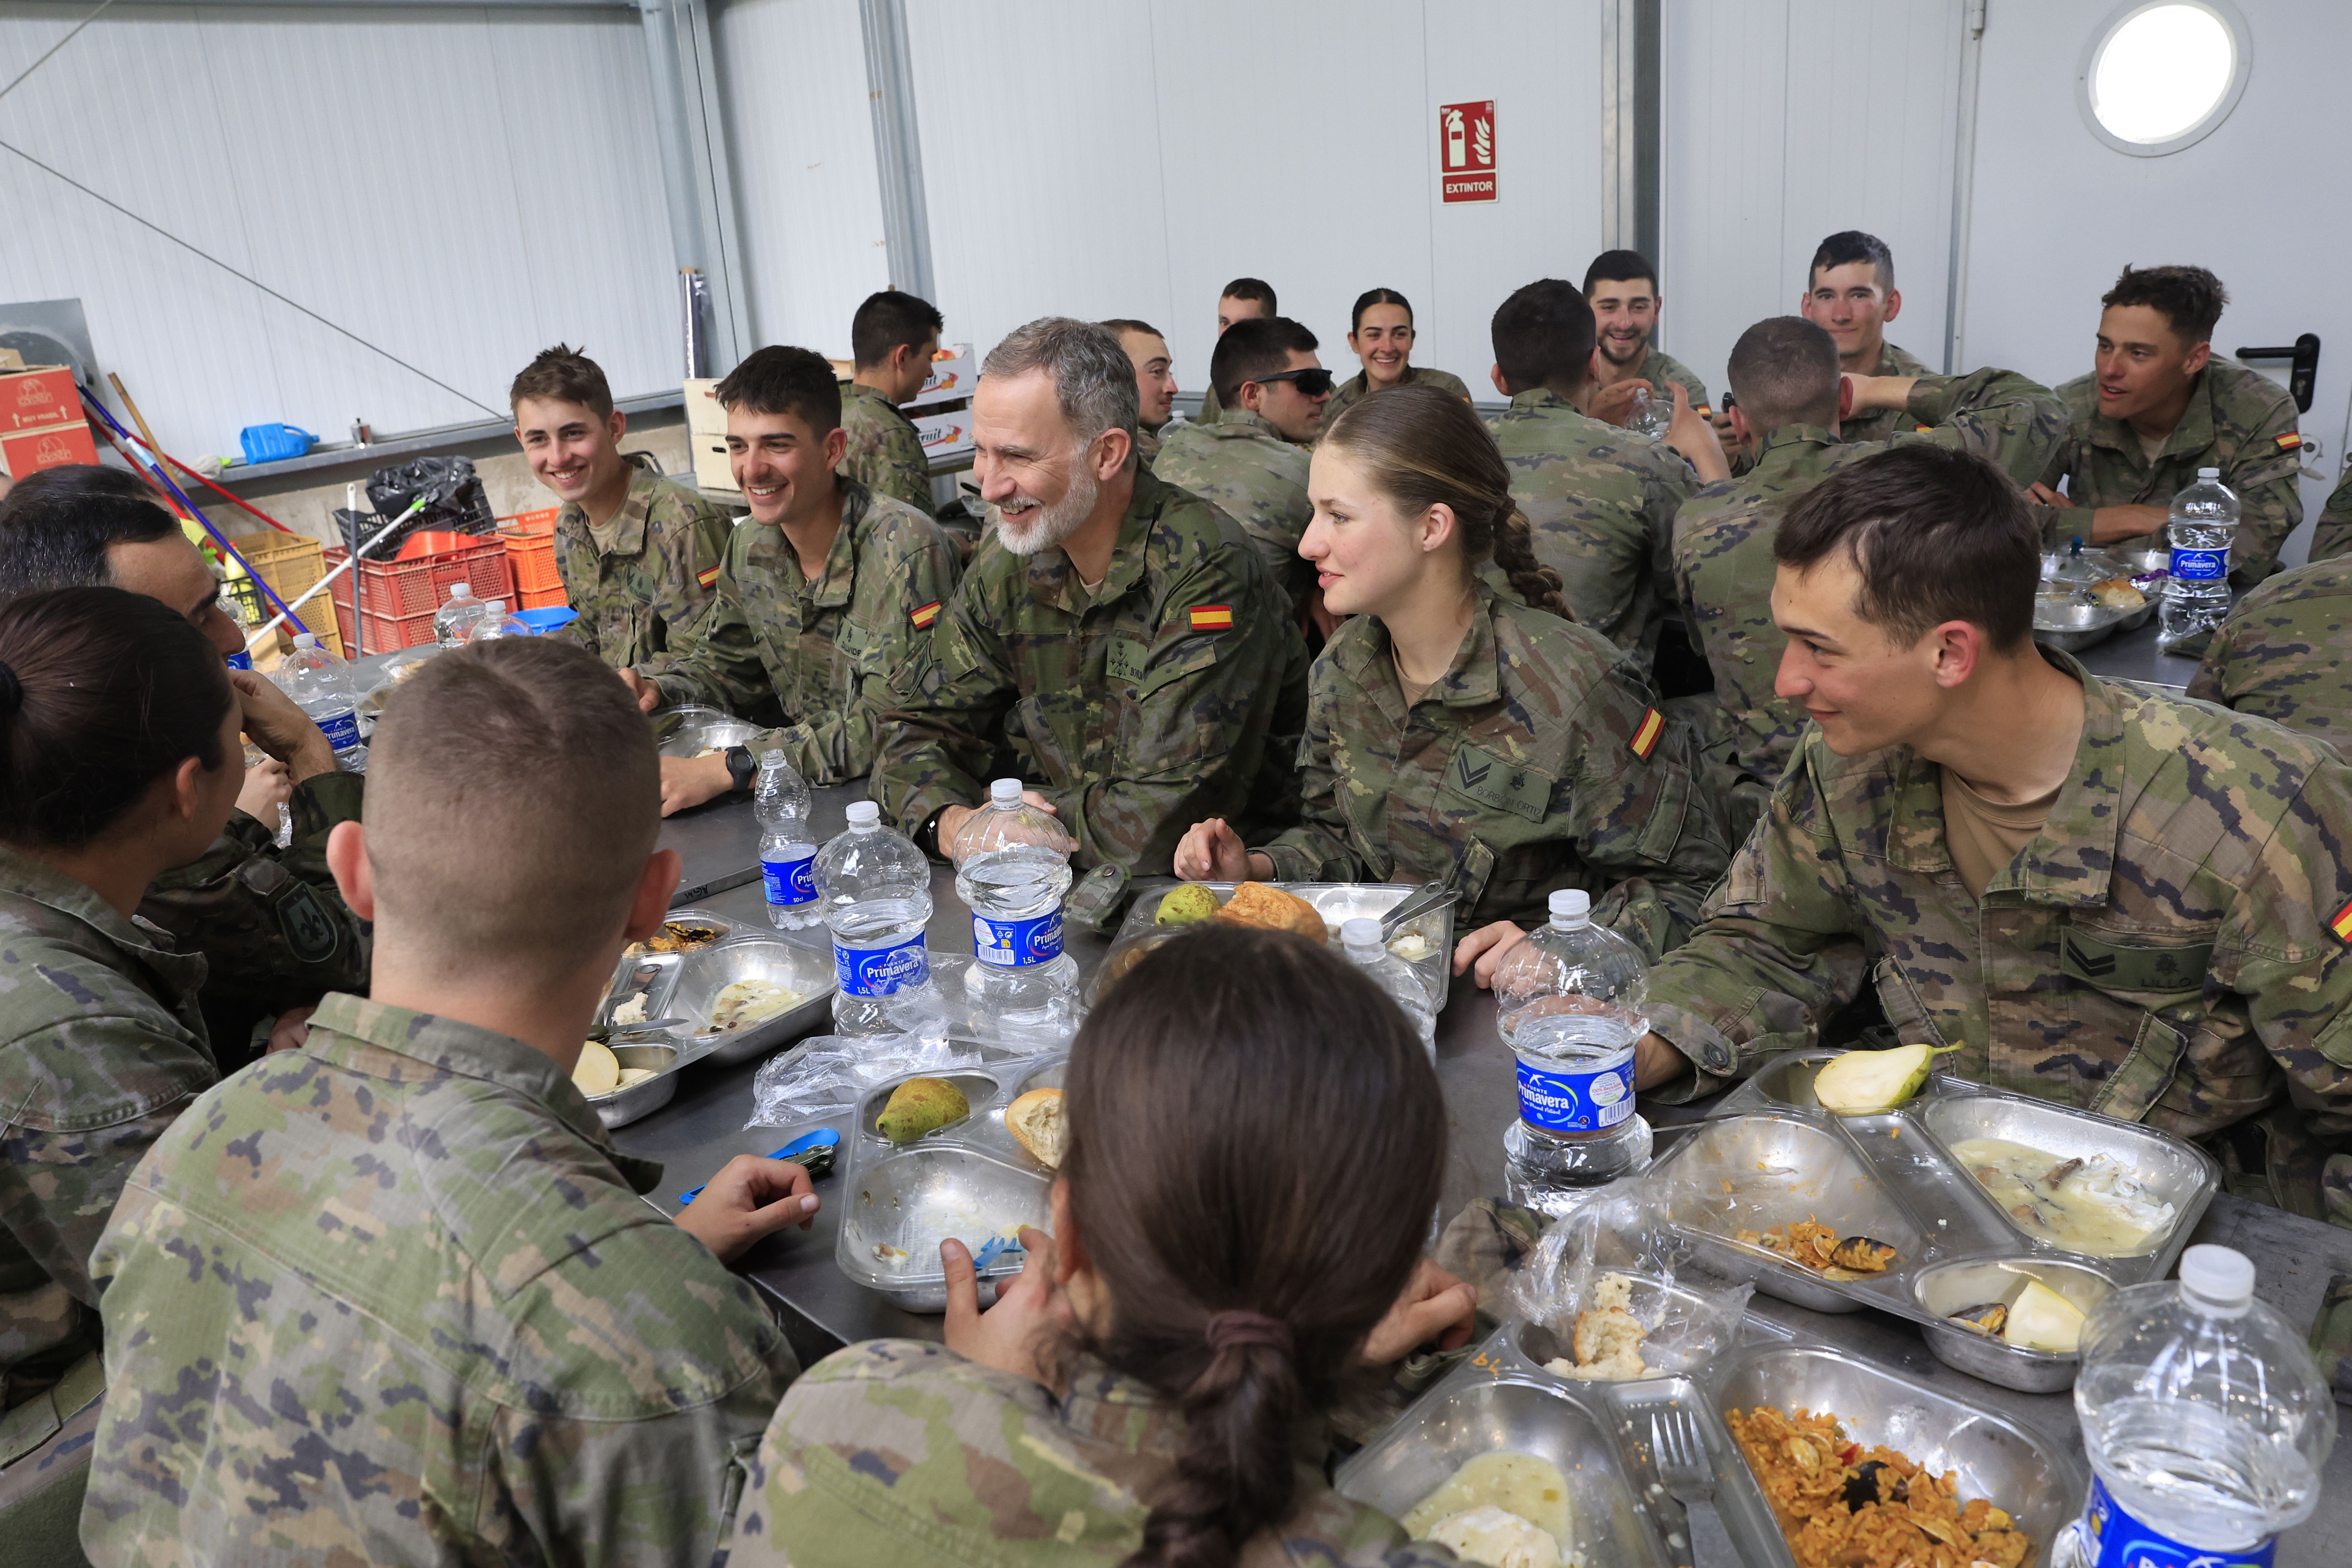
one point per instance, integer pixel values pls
(1053, 523)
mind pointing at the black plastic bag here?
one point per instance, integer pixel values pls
(454, 498)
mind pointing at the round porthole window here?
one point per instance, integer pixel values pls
(2159, 75)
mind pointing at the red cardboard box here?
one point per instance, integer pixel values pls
(37, 398)
(59, 446)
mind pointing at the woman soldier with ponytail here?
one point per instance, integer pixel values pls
(1453, 735)
(1255, 1144)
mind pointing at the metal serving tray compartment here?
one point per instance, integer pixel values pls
(2040, 1484)
(624, 1106)
(1671, 1354)
(697, 736)
(1750, 1173)
(1786, 1083)
(2174, 1170)
(707, 971)
(1951, 1288)
(653, 975)
(1338, 902)
(1475, 1412)
(2071, 627)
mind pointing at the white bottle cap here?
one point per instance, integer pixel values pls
(2209, 473)
(864, 816)
(1005, 792)
(497, 605)
(1570, 908)
(306, 639)
(1361, 932)
(2220, 1278)
(461, 590)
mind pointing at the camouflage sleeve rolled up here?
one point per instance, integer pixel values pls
(2280, 655)
(886, 454)
(719, 662)
(2332, 535)
(2017, 424)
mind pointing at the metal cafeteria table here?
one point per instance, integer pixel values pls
(703, 1127)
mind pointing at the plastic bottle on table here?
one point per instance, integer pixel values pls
(496, 622)
(1652, 415)
(2205, 1419)
(1571, 1002)
(875, 888)
(2197, 593)
(456, 619)
(1361, 938)
(1012, 869)
(320, 685)
(780, 799)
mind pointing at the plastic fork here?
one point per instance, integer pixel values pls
(1682, 1465)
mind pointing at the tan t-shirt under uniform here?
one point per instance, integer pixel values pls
(1983, 836)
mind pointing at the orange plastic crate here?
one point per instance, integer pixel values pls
(545, 599)
(400, 588)
(533, 558)
(540, 522)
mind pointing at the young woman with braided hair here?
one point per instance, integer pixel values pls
(1453, 734)
(1151, 1391)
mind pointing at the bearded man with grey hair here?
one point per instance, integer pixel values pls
(1126, 630)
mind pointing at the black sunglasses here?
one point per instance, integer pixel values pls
(1311, 383)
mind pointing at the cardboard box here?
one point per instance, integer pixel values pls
(945, 434)
(953, 370)
(56, 446)
(704, 416)
(712, 471)
(36, 397)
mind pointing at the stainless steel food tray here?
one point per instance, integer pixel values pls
(707, 971)
(2072, 627)
(624, 1106)
(697, 736)
(1336, 902)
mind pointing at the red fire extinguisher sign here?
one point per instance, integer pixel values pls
(1465, 151)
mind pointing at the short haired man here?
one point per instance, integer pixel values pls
(828, 596)
(1622, 287)
(2281, 654)
(1850, 293)
(1155, 380)
(1127, 628)
(1244, 300)
(394, 1296)
(1789, 401)
(638, 554)
(2157, 407)
(275, 935)
(894, 335)
(1252, 458)
(1599, 500)
(2127, 903)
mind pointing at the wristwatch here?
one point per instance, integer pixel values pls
(927, 836)
(741, 767)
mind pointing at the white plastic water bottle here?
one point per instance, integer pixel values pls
(875, 888)
(1653, 416)
(2205, 1419)
(496, 622)
(1012, 869)
(2197, 593)
(320, 685)
(780, 799)
(1361, 938)
(456, 620)
(1571, 1002)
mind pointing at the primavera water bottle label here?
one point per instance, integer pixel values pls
(1017, 944)
(2200, 565)
(241, 660)
(2111, 1538)
(342, 729)
(881, 971)
(1576, 1102)
(791, 880)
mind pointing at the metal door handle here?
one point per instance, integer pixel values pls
(2303, 367)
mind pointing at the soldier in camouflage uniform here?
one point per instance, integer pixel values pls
(1850, 293)
(2166, 942)
(1381, 330)
(2281, 654)
(1171, 690)
(1155, 383)
(1357, 386)
(2155, 365)
(1723, 535)
(885, 450)
(1622, 288)
(411, 1241)
(2332, 535)
(645, 581)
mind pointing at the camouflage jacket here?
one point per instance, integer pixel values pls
(1360, 383)
(274, 932)
(393, 1298)
(1601, 502)
(2238, 420)
(654, 590)
(885, 451)
(101, 1045)
(1537, 763)
(898, 1451)
(1241, 464)
(2332, 535)
(1723, 536)
(823, 655)
(1663, 370)
(2168, 949)
(2285, 654)
(1885, 424)
(1149, 442)
(1175, 691)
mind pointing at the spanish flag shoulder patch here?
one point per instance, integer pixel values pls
(2289, 442)
(707, 577)
(924, 614)
(1702, 410)
(1645, 737)
(2342, 924)
(1211, 618)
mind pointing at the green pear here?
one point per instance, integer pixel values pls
(2042, 1319)
(1862, 1083)
(1187, 905)
(920, 1105)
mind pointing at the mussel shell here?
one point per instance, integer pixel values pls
(1988, 1319)
(1864, 1255)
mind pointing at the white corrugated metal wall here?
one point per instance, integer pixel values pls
(459, 187)
(1785, 121)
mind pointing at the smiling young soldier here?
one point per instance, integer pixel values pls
(2127, 903)
(1850, 293)
(828, 593)
(639, 554)
(2158, 407)
(894, 336)
(1622, 287)
(1155, 380)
